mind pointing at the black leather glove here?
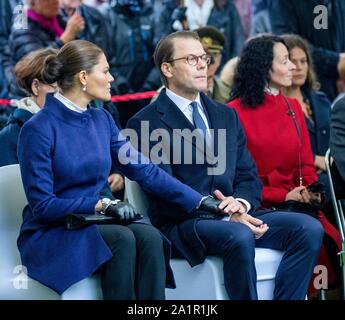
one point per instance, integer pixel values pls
(208, 209)
(124, 212)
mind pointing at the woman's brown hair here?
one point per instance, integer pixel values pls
(295, 41)
(30, 67)
(73, 57)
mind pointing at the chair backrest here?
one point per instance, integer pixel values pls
(12, 197)
(136, 196)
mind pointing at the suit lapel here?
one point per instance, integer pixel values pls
(173, 117)
(217, 119)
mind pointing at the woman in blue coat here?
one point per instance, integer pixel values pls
(65, 153)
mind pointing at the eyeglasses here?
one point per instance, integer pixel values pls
(193, 60)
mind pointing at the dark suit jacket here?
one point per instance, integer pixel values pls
(239, 178)
(337, 140)
(321, 109)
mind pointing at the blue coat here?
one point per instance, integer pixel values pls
(65, 158)
(319, 132)
(9, 136)
(240, 178)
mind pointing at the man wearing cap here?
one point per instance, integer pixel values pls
(213, 42)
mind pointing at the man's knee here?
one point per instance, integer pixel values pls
(243, 242)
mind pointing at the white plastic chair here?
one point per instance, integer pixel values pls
(206, 281)
(14, 284)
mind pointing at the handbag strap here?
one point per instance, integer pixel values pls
(292, 114)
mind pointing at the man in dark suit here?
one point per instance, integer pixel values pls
(337, 144)
(202, 143)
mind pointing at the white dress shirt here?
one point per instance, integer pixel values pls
(68, 103)
(184, 105)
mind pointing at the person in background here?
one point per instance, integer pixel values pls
(325, 32)
(9, 11)
(192, 14)
(277, 135)
(244, 8)
(28, 73)
(261, 21)
(65, 153)
(227, 73)
(44, 29)
(95, 28)
(131, 24)
(337, 141)
(213, 43)
(316, 108)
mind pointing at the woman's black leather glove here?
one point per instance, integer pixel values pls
(208, 208)
(123, 211)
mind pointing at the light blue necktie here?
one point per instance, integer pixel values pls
(199, 123)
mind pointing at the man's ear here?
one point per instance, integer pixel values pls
(166, 69)
(83, 77)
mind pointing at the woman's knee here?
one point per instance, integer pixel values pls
(147, 237)
(119, 238)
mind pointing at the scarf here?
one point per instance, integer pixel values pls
(51, 24)
(28, 104)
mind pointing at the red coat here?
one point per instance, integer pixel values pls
(272, 140)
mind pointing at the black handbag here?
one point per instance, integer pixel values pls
(76, 221)
(299, 207)
(316, 189)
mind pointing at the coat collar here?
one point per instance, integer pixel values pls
(173, 117)
(58, 109)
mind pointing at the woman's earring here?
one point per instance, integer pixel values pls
(84, 88)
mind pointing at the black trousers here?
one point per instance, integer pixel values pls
(137, 269)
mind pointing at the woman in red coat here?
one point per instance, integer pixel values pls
(277, 136)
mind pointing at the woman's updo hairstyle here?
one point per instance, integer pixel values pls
(31, 67)
(73, 57)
